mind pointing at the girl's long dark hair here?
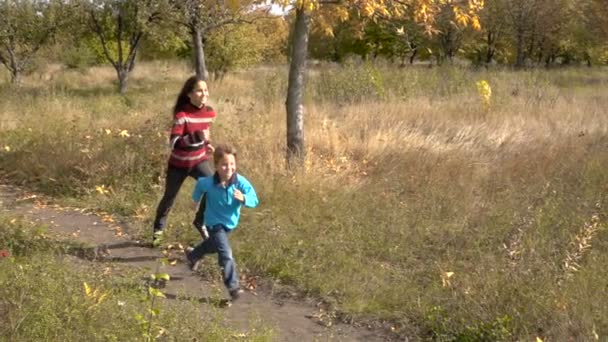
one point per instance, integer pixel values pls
(182, 98)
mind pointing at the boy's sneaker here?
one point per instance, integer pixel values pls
(193, 264)
(235, 294)
(157, 238)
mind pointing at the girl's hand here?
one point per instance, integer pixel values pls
(238, 195)
(206, 134)
(210, 148)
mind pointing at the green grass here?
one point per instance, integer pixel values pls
(43, 297)
(408, 177)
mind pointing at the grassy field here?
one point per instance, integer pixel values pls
(48, 295)
(418, 202)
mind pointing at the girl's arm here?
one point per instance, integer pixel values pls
(180, 139)
(177, 131)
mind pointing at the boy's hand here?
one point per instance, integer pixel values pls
(239, 195)
(195, 205)
(210, 148)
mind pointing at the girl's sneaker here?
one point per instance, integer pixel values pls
(157, 238)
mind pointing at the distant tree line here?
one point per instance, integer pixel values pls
(219, 35)
(82, 33)
(225, 34)
(520, 33)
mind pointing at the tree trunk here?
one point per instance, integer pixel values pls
(413, 55)
(200, 68)
(521, 54)
(295, 88)
(491, 50)
(13, 67)
(15, 77)
(123, 77)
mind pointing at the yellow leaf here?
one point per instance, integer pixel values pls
(124, 133)
(368, 10)
(101, 298)
(87, 289)
(445, 278)
(108, 131)
(476, 25)
(101, 189)
(462, 20)
(7, 148)
(342, 14)
(538, 339)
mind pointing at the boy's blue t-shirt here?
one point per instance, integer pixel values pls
(221, 206)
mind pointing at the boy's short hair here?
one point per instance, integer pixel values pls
(221, 151)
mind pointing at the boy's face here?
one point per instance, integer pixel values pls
(199, 94)
(226, 167)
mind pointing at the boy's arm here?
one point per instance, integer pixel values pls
(199, 190)
(250, 198)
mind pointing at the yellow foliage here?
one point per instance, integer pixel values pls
(342, 13)
(424, 11)
(94, 294)
(102, 189)
(445, 278)
(475, 23)
(485, 91)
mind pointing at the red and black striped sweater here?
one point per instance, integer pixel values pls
(187, 149)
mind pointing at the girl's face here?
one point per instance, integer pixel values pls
(199, 94)
(226, 167)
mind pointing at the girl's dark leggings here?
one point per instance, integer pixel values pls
(175, 178)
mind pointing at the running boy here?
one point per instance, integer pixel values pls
(226, 191)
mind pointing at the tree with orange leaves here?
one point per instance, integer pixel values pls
(422, 11)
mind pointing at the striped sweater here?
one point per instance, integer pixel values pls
(187, 149)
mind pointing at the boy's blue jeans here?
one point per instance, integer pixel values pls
(218, 243)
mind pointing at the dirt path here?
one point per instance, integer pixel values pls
(291, 320)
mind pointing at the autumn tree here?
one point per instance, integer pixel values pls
(494, 28)
(200, 17)
(120, 25)
(333, 39)
(242, 45)
(523, 17)
(424, 12)
(591, 31)
(25, 27)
